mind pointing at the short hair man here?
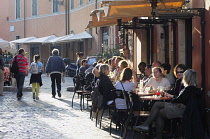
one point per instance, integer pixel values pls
(156, 64)
(23, 71)
(83, 68)
(55, 67)
(148, 74)
(166, 68)
(141, 68)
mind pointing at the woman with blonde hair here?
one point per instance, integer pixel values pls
(121, 65)
(105, 84)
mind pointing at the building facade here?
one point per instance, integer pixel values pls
(41, 18)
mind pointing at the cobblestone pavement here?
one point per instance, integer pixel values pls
(47, 118)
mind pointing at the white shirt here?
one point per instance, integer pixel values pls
(129, 86)
(152, 82)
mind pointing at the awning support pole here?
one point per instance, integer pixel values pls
(188, 42)
(202, 23)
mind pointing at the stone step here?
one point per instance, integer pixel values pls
(14, 88)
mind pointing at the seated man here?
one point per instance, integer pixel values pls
(166, 71)
(83, 68)
(141, 67)
(90, 69)
(148, 74)
(156, 64)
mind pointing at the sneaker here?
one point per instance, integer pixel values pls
(59, 93)
(141, 127)
(37, 98)
(53, 96)
(33, 95)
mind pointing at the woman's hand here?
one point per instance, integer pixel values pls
(168, 95)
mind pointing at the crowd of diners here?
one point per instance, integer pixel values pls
(116, 73)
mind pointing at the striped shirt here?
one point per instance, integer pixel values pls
(22, 63)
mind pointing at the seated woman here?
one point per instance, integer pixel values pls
(122, 64)
(105, 84)
(158, 79)
(125, 84)
(178, 72)
(174, 109)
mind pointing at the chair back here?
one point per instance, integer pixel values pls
(135, 101)
(76, 82)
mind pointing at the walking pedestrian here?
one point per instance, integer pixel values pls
(55, 68)
(23, 71)
(80, 56)
(1, 72)
(36, 78)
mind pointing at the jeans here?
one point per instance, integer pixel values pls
(20, 77)
(55, 77)
(157, 113)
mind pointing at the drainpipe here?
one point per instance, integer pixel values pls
(202, 23)
(174, 41)
(152, 44)
(96, 8)
(24, 20)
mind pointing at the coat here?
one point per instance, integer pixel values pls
(105, 88)
(194, 117)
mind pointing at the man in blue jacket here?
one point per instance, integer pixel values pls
(55, 68)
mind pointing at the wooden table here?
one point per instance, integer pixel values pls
(145, 94)
(155, 98)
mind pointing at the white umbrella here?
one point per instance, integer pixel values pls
(3, 43)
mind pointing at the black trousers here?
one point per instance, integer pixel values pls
(55, 78)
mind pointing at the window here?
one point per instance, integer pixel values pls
(105, 37)
(72, 4)
(17, 10)
(17, 45)
(55, 6)
(81, 2)
(34, 7)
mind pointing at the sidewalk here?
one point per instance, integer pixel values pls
(47, 118)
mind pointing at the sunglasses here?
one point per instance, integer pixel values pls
(180, 72)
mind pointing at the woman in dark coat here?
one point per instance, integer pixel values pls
(178, 72)
(166, 110)
(105, 84)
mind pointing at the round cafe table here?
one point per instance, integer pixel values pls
(155, 98)
(145, 94)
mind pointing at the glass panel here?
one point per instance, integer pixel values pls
(55, 6)
(17, 9)
(72, 4)
(81, 2)
(34, 7)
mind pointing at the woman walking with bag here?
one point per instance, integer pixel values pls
(36, 79)
(1, 72)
